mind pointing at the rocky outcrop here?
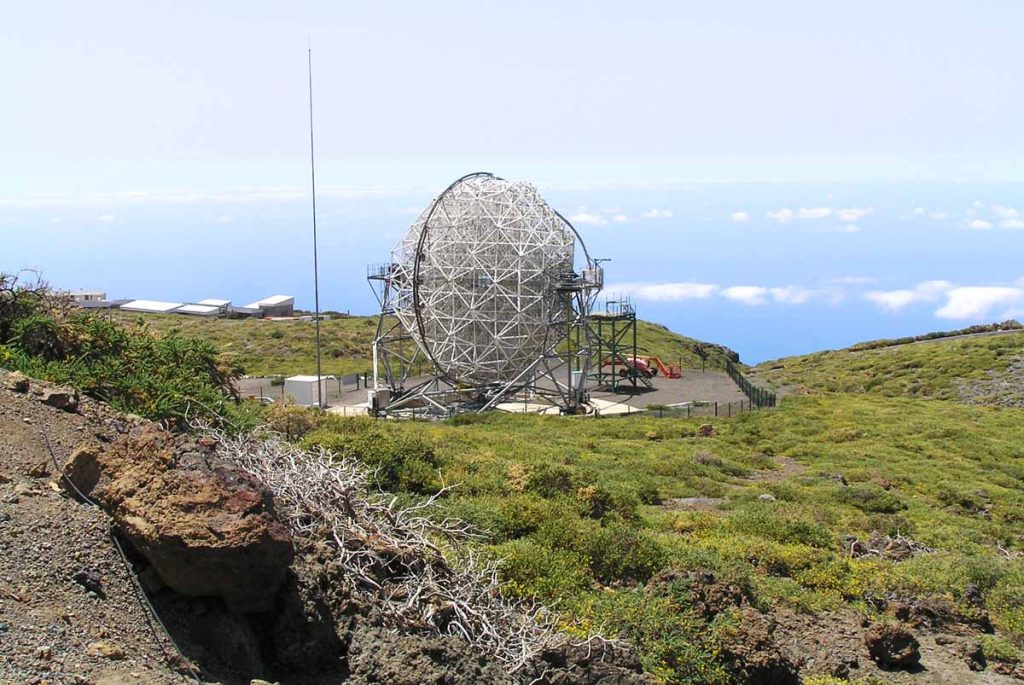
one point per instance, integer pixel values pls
(892, 646)
(751, 653)
(377, 655)
(207, 528)
(16, 382)
(60, 398)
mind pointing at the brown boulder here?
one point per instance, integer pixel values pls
(82, 468)
(892, 646)
(752, 655)
(208, 528)
(16, 382)
(60, 398)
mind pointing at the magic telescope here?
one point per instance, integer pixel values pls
(485, 301)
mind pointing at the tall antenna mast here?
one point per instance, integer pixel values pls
(316, 275)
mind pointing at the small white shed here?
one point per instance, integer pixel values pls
(303, 389)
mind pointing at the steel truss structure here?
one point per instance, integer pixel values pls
(614, 335)
(485, 295)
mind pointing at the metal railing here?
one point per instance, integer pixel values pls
(759, 397)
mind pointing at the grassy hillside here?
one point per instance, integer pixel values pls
(590, 516)
(582, 510)
(287, 347)
(924, 369)
(277, 347)
(656, 340)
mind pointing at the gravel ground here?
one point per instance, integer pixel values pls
(1003, 388)
(52, 629)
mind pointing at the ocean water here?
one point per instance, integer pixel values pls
(817, 268)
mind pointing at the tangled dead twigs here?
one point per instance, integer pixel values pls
(894, 548)
(392, 554)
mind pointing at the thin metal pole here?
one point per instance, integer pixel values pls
(316, 274)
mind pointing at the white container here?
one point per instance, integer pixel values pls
(303, 390)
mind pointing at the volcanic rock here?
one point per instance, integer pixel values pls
(61, 398)
(892, 646)
(207, 528)
(16, 382)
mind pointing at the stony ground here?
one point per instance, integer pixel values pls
(1001, 388)
(69, 612)
(52, 628)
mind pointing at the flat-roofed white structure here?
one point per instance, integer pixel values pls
(303, 389)
(151, 306)
(213, 302)
(275, 305)
(198, 310)
(80, 296)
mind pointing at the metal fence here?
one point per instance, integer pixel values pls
(719, 409)
(759, 397)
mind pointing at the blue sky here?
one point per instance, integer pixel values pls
(778, 177)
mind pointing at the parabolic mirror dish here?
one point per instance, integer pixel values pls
(477, 279)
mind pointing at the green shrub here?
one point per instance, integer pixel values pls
(164, 378)
(623, 553)
(675, 645)
(534, 570)
(402, 460)
(872, 499)
(1006, 602)
(38, 335)
(550, 480)
(996, 648)
(514, 516)
(649, 493)
(290, 419)
(772, 523)
(598, 501)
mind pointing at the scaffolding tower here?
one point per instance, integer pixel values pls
(613, 334)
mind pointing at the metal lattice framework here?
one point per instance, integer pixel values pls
(484, 288)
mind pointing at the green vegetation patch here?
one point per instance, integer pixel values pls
(927, 369)
(587, 513)
(170, 377)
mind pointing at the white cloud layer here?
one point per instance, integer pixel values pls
(783, 216)
(740, 217)
(666, 292)
(978, 301)
(658, 214)
(895, 300)
(979, 224)
(792, 294)
(814, 212)
(849, 215)
(747, 294)
(853, 214)
(588, 219)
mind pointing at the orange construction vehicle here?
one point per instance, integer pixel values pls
(645, 367)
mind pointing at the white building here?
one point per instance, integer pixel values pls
(303, 390)
(275, 305)
(82, 296)
(198, 310)
(150, 306)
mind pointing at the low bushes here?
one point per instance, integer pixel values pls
(401, 460)
(164, 378)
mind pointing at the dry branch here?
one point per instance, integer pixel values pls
(416, 570)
